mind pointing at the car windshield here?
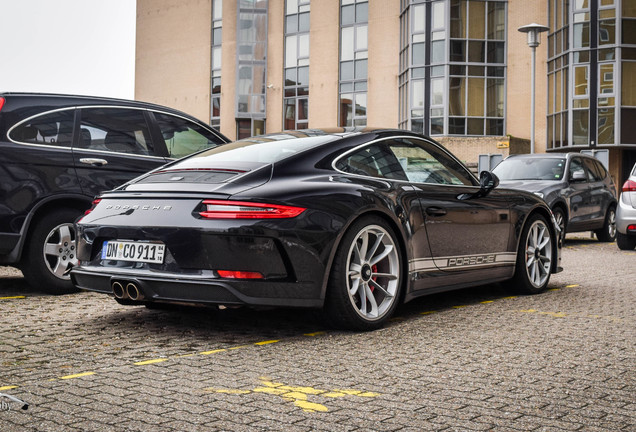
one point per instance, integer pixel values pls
(530, 169)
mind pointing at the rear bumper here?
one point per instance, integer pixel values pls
(202, 288)
(625, 216)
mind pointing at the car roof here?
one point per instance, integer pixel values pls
(69, 100)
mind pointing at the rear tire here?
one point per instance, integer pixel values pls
(625, 242)
(366, 278)
(562, 222)
(608, 232)
(51, 252)
(534, 258)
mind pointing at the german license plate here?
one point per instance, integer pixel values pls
(135, 251)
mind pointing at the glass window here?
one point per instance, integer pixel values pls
(606, 79)
(422, 162)
(628, 86)
(183, 137)
(576, 165)
(594, 170)
(580, 128)
(607, 32)
(515, 168)
(438, 15)
(55, 129)
(375, 160)
(477, 20)
(606, 124)
(115, 129)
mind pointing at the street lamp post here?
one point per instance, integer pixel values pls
(534, 40)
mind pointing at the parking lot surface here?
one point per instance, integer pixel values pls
(472, 360)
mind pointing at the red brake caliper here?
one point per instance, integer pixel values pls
(374, 269)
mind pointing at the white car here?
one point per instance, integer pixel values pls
(626, 214)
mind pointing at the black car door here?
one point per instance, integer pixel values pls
(465, 234)
(579, 193)
(113, 145)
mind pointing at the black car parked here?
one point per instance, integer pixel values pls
(578, 189)
(352, 221)
(57, 152)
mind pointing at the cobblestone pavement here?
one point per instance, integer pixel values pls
(476, 359)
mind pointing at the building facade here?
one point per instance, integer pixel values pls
(457, 70)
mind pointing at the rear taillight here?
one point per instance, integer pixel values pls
(1, 103)
(629, 186)
(95, 202)
(631, 228)
(230, 274)
(217, 209)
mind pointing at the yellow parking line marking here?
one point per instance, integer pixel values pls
(460, 306)
(8, 388)
(213, 351)
(318, 333)
(12, 297)
(237, 347)
(428, 312)
(572, 286)
(297, 395)
(266, 342)
(508, 298)
(79, 375)
(147, 362)
(487, 301)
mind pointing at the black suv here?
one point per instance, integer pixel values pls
(578, 189)
(57, 152)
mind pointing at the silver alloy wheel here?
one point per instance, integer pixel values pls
(611, 223)
(60, 253)
(373, 272)
(560, 220)
(538, 253)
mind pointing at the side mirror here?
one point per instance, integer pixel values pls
(487, 182)
(577, 176)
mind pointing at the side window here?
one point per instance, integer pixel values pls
(55, 129)
(375, 160)
(118, 130)
(595, 170)
(183, 137)
(576, 165)
(423, 162)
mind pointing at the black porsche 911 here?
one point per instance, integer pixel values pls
(353, 221)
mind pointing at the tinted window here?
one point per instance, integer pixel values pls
(183, 137)
(115, 129)
(425, 163)
(576, 165)
(266, 149)
(595, 170)
(530, 169)
(54, 129)
(375, 160)
(407, 160)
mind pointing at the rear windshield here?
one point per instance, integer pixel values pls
(260, 149)
(530, 169)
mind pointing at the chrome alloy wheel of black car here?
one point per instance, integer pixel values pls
(59, 251)
(374, 272)
(538, 253)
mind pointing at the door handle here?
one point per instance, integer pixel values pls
(94, 161)
(435, 211)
